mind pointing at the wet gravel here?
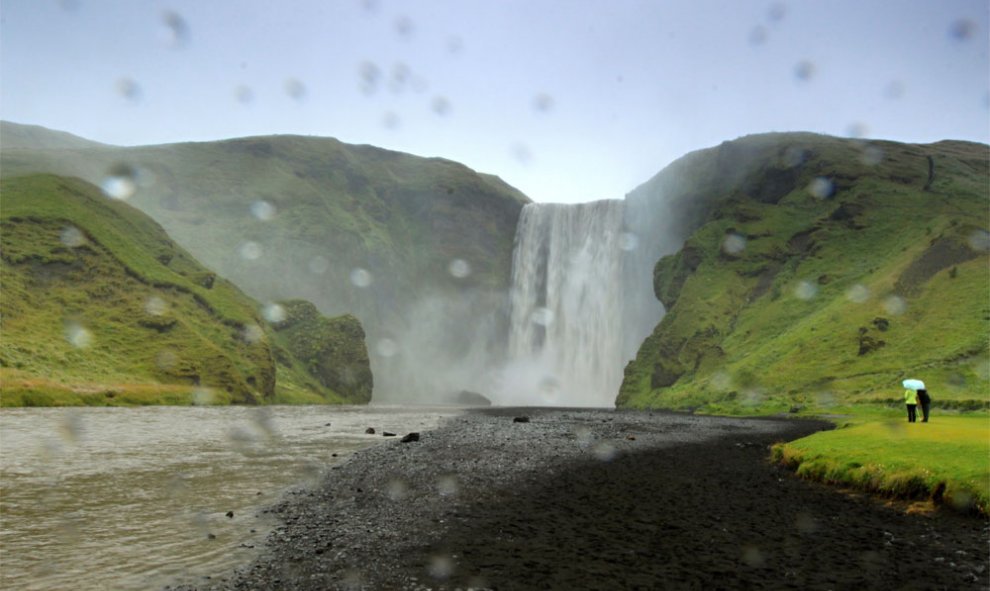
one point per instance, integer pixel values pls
(598, 499)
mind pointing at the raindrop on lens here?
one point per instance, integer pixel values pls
(71, 427)
(871, 156)
(804, 70)
(752, 556)
(733, 244)
(78, 336)
(758, 35)
(390, 120)
(318, 265)
(805, 290)
(263, 210)
(858, 293)
(120, 182)
(962, 29)
(295, 89)
(273, 313)
(894, 90)
(202, 397)
(459, 268)
(244, 94)
(250, 250)
(370, 75)
(604, 451)
(72, 237)
(805, 523)
(542, 316)
(584, 437)
(447, 485)
(128, 89)
(253, 333)
(396, 489)
(857, 130)
(155, 306)
(628, 241)
(176, 29)
(722, 381)
(441, 567)
(361, 277)
(386, 347)
(979, 241)
(404, 27)
(441, 106)
(543, 103)
(455, 45)
(166, 360)
(521, 153)
(895, 305)
(821, 188)
(549, 386)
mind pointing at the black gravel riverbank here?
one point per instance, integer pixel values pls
(597, 499)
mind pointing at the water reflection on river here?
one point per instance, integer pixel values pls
(137, 498)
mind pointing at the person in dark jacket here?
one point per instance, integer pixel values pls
(925, 402)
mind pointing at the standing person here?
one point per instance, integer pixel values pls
(926, 403)
(911, 399)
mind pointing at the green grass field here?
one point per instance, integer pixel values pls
(946, 460)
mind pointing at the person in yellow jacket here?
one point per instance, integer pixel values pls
(911, 399)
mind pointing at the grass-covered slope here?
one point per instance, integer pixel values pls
(100, 306)
(817, 271)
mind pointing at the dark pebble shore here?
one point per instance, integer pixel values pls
(598, 499)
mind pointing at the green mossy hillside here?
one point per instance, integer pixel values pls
(819, 271)
(99, 306)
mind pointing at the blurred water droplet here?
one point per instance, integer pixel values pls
(752, 556)
(895, 305)
(441, 567)
(962, 500)
(825, 399)
(758, 35)
(871, 155)
(858, 293)
(370, 6)
(805, 523)
(71, 428)
(263, 210)
(77, 335)
(400, 77)
(979, 241)
(202, 397)
(543, 103)
(776, 12)
(721, 380)
(441, 106)
(404, 27)
(370, 75)
(386, 347)
(805, 290)
(753, 396)
(352, 579)
(549, 387)
(155, 306)
(176, 29)
(241, 436)
(244, 94)
(166, 360)
(894, 90)
(72, 237)
(857, 130)
(391, 120)
(69, 5)
(733, 243)
(318, 265)
(128, 89)
(295, 89)
(448, 485)
(804, 70)
(273, 312)
(459, 268)
(584, 437)
(396, 489)
(628, 241)
(795, 156)
(542, 316)
(521, 153)
(962, 29)
(253, 333)
(455, 45)
(361, 277)
(120, 181)
(604, 451)
(263, 419)
(250, 250)
(821, 188)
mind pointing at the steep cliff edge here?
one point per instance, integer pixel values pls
(817, 270)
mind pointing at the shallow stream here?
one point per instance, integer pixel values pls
(140, 498)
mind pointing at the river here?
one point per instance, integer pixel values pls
(140, 498)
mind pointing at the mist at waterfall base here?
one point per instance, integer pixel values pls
(580, 303)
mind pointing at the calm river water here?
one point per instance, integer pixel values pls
(139, 498)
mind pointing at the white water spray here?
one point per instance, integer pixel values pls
(581, 303)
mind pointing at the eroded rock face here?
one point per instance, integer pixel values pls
(332, 349)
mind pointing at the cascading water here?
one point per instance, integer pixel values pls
(581, 303)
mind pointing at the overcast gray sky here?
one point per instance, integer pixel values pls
(568, 100)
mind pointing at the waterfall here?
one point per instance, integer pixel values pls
(581, 303)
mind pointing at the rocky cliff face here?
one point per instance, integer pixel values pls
(814, 270)
(100, 306)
